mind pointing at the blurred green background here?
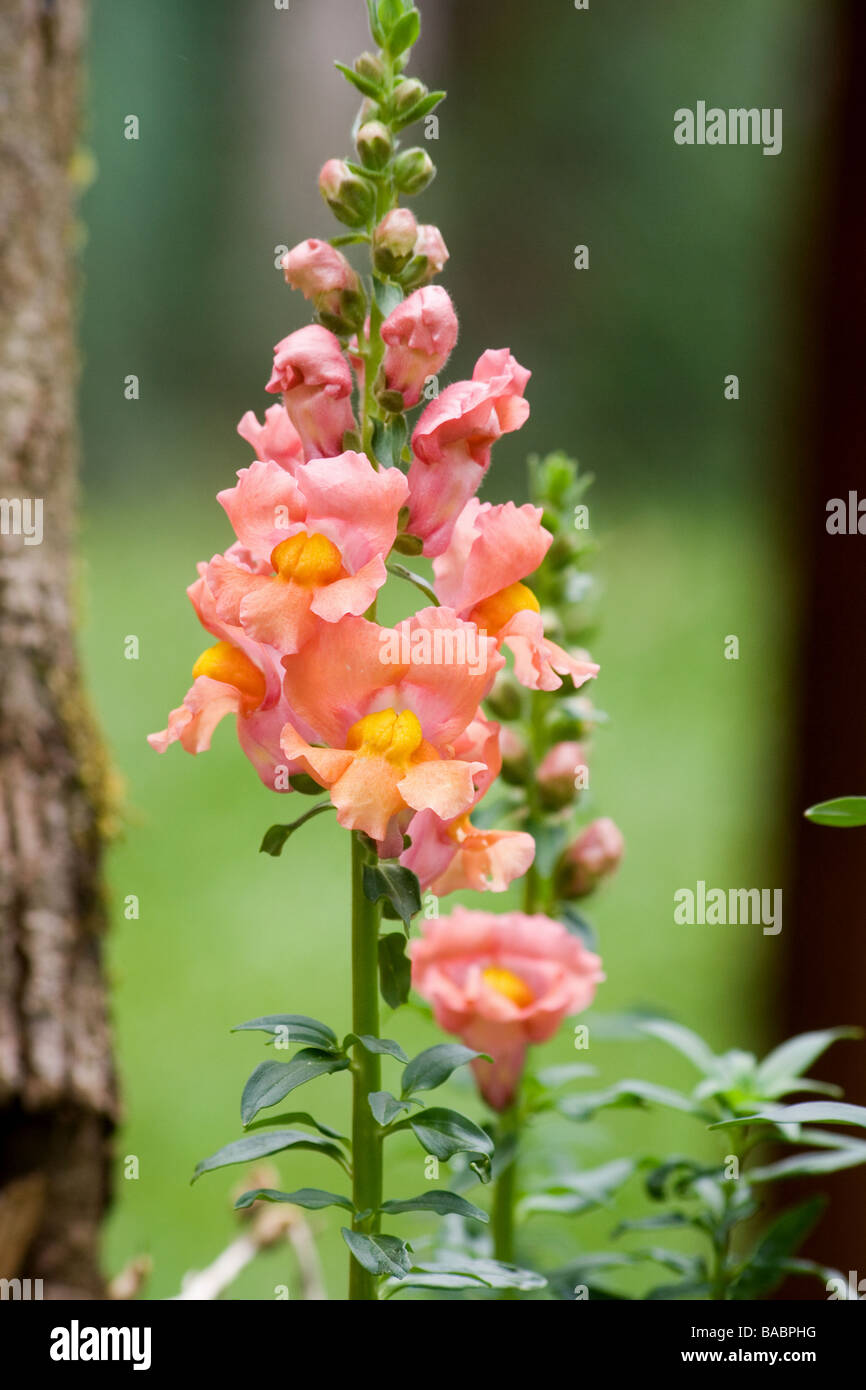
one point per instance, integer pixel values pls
(557, 131)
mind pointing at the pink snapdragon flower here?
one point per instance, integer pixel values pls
(235, 676)
(452, 443)
(322, 274)
(450, 855)
(316, 384)
(390, 704)
(318, 536)
(420, 335)
(480, 573)
(276, 439)
(500, 982)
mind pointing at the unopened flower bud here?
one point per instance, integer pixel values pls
(413, 171)
(407, 95)
(370, 66)
(594, 856)
(394, 240)
(323, 275)
(350, 198)
(430, 243)
(505, 700)
(561, 773)
(374, 144)
(515, 757)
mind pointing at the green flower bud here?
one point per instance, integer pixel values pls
(413, 171)
(505, 700)
(374, 144)
(350, 198)
(370, 66)
(407, 95)
(394, 241)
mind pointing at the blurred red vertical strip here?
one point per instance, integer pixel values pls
(826, 921)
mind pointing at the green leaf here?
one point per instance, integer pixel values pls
(808, 1112)
(433, 1066)
(419, 111)
(444, 1133)
(796, 1055)
(375, 27)
(379, 1254)
(664, 1220)
(388, 296)
(261, 1145)
(844, 811)
(579, 926)
(395, 970)
(312, 1198)
(684, 1040)
(276, 837)
(388, 441)
(624, 1094)
(781, 1239)
(297, 1117)
(579, 1192)
(440, 1201)
(550, 840)
(688, 1289)
(386, 1107)
(494, 1273)
(293, 1028)
(405, 33)
(365, 85)
(810, 1164)
(384, 1046)
(390, 12)
(397, 885)
(400, 572)
(271, 1082)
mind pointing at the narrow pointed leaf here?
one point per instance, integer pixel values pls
(395, 971)
(379, 1254)
(444, 1203)
(264, 1144)
(276, 837)
(433, 1066)
(383, 1046)
(290, 1028)
(271, 1082)
(312, 1198)
(796, 1055)
(844, 811)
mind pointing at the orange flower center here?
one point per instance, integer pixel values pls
(387, 734)
(494, 612)
(462, 830)
(507, 983)
(311, 561)
(231, 666)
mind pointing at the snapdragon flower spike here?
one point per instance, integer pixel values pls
(324, 532)
(276, 439)
(480, 574)
(390, 713)
(324, 276)
(316, 385)
(501, 982)
(452, 443)
(420, 335)
(447, 856)
(234, 676)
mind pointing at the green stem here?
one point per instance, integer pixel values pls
(366, 1070)
(505, 1188)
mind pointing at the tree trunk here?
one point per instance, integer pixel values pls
(57, 1093)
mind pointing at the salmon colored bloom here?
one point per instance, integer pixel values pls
(276, 439)
(318, 538)
(420, 335)
(450, 855)
(234, 676)
(500, 982)
(452, 443)
(391, 714)
(431, 244)
(480, 574)
(316, 384)
(322, 274)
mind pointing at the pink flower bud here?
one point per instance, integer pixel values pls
(594, 855)
(316, 385)
(394, 240)
(324, 276)
(558, 774)
(420, 335)
(430, 243)
(515, 757)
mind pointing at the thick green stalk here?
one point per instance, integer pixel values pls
(366, 1070)
(505, 1189)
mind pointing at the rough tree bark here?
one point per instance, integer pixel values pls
(57, 1093)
